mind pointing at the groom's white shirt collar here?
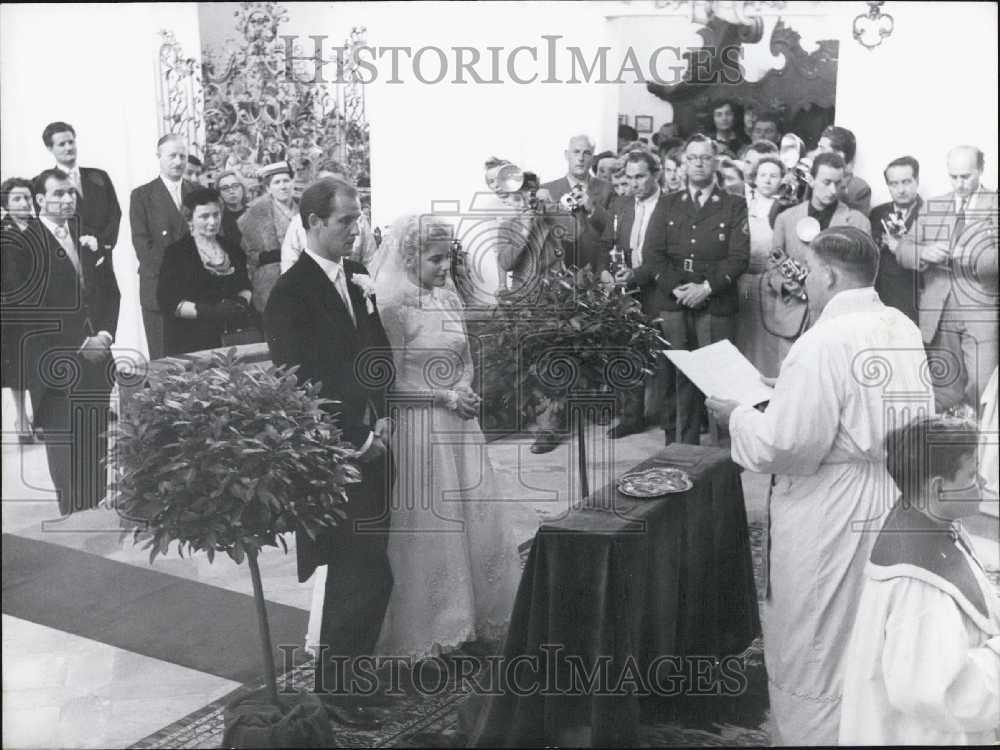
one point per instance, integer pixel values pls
(332, 268)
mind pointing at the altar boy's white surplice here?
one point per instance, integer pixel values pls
(857, 373)
(923, 667)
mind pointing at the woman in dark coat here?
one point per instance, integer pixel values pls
(203, 289)
(18, 211)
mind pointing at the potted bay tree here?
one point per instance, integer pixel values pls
(223, 456)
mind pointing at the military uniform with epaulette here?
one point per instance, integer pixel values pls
(708, 242)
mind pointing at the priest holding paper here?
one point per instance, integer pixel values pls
(857, 373)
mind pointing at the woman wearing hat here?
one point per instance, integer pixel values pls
(263, 227)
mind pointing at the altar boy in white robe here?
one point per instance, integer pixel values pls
(923, 666)
(845, 382)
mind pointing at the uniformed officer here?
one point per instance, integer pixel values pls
(707, 248)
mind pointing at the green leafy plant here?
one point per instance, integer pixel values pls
(578, 335)
(226, 456)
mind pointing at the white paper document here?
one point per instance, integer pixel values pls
(720, 370)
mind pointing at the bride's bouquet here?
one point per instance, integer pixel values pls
(578, 337)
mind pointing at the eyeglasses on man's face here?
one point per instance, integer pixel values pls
(699, 159)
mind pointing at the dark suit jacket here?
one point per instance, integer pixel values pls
(100, 214)
(308, 325)
(715, 238)
(654, 250)
(588, 244)
(183, 276)
(59, 312)
(156, 224)
(897, 286)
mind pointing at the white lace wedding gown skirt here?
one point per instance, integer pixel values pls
(453, 545)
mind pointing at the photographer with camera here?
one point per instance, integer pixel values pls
(529, 241)
(898, 286)
(826, 177)
(783, 309)
(531, 245)
(587, 198)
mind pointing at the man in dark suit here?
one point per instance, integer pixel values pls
(639, 231)
(318, 319)
(707, 249)
(96, 200)
(897, 286)
(156, 220)
(587, 246)
(68, 297)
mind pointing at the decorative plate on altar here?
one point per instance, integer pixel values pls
(655, 482)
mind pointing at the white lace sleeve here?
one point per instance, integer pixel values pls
(393, 315)
(454, 303)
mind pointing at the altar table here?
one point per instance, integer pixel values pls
(631, 583)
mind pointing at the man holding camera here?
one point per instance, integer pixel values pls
(587, 198)
(530, 244)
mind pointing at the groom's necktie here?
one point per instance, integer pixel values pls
(341, 284)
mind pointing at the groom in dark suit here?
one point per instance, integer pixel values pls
(318, 318)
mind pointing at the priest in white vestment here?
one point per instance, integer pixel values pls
(923, 666)
(858, 371)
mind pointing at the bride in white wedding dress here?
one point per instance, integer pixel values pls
(454, 536)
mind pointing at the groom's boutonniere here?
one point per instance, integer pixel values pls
(364, 282)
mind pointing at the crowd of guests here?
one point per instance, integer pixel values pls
(713, 228)
(207, 260)
(880, 625)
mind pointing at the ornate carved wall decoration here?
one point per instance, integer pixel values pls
(803, 90)
(179, 94)
(871, 28)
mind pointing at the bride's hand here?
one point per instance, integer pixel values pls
(468, 405)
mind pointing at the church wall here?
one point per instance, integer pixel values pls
(929, 86)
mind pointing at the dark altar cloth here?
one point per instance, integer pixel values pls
(642, 578)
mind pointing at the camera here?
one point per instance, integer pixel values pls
(573, 200)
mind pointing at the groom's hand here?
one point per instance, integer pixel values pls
(375, 450)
